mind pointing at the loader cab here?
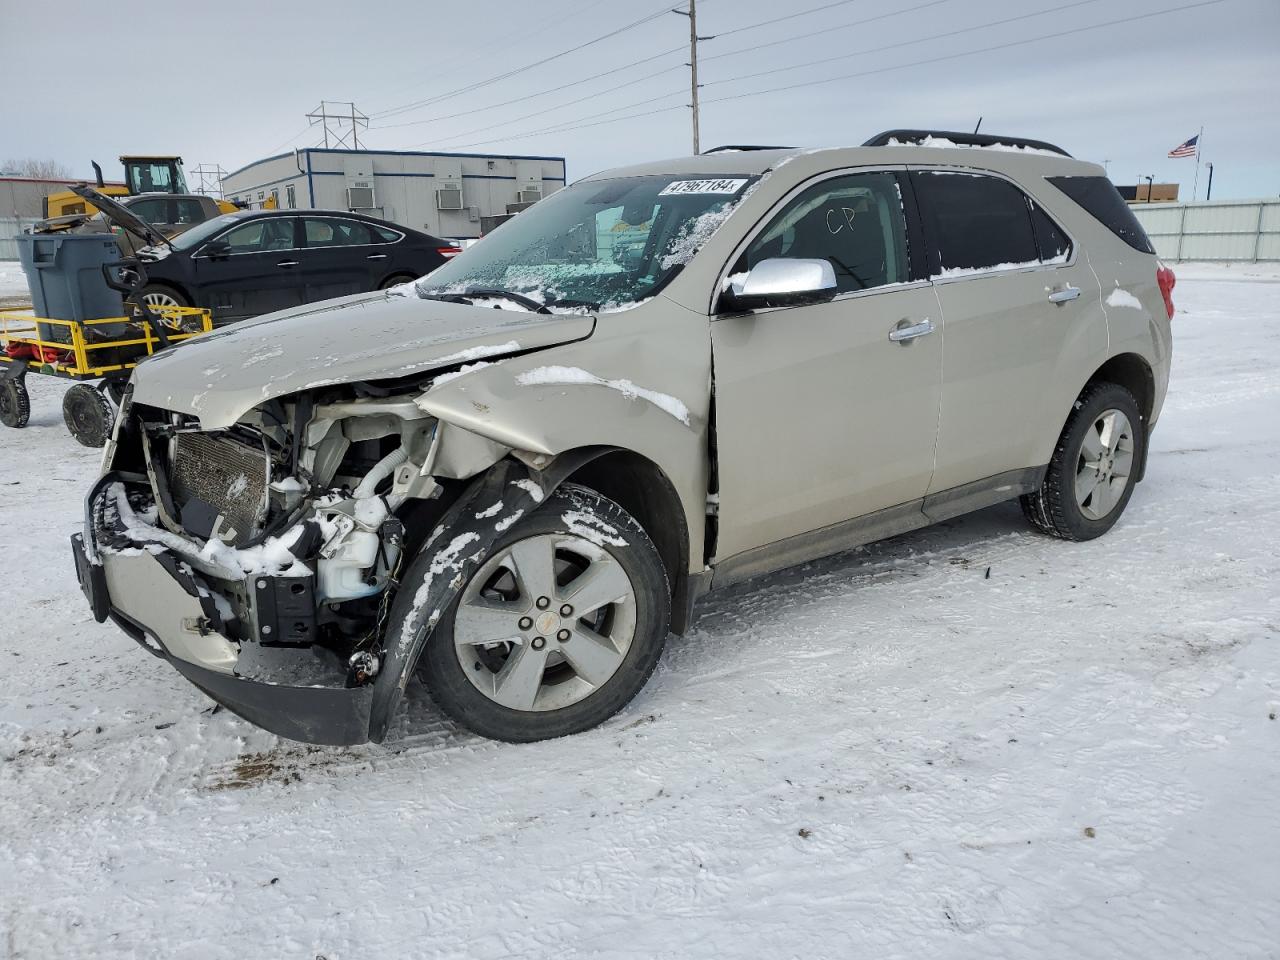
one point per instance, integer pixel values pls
(154, 175)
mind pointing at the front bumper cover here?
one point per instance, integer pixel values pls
(163, 604)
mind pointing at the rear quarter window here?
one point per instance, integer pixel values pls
(1102, 201)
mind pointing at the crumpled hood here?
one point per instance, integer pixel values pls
(220, 376)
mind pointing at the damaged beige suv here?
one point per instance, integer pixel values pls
(515, 476)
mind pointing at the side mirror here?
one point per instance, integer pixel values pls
(780, 282)
(216, 249)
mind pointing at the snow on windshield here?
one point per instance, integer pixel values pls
(602, 245)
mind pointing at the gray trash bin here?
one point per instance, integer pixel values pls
(64, 272)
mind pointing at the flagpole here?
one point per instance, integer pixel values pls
(1196, 183)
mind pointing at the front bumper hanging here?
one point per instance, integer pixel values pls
(170, 610)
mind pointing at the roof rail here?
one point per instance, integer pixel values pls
(965, 139)
(729, 147)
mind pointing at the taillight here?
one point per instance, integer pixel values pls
(1166, 280)
(448, 252)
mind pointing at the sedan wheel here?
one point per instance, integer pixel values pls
(1106, 462)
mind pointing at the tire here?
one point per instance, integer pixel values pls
(564, 702)
(395, 280)
(1079, 499)
(88, 414)
(161, 295)
(15, 404)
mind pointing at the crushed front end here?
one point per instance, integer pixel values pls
(260, 559)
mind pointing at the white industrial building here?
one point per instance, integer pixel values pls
(445, 194)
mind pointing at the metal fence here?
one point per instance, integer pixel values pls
(10, 228)
(1247, 230)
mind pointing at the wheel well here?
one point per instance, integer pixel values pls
(1130, 371)
(640, 487)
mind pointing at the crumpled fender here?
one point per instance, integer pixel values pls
(457, 547)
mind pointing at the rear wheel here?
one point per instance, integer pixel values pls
(1091, 476)
(15, 403)
(159, 295)
(558, 629)
(88, 415)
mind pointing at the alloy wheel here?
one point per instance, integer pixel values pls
(1105, 464)
(545, 622)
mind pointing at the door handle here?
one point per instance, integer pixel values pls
(1065, 294)
(287, 263)
(905, 332)
(376, 256)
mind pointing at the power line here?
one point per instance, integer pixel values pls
(789, 16)
(831, 29)
(395, 111)
(558, 106)
(970, 53)
(541, 93)
(564, 128)
(895, 46)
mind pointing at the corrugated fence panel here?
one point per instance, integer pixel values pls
(10, 228)
(1230, 230)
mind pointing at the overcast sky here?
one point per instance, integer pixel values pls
(230, 82)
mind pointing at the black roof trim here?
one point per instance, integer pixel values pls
(743, 146)
(966, 139)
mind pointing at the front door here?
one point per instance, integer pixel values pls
(258, 272)
(820, 416)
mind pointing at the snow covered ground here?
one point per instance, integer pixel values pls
(13, 285)
(972, 741)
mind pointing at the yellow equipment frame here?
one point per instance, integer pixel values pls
(22, 326)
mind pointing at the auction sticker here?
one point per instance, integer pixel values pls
(703, 186)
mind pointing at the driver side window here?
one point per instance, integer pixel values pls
(269, 233)
(853, 222)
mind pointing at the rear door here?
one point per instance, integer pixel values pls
(1018, 302)
(820, 416)
(337, 257)
(257, 275)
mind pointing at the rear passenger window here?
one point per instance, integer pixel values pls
(855, 223)
(1103, 202)
(1052, 243)
(329, 232)
(976, 222)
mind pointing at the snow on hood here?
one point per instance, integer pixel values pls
(220, 376)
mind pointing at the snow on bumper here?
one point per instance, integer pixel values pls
(159, 601)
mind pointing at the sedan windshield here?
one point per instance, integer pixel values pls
(598, 245)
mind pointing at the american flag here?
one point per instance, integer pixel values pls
(1187, 149)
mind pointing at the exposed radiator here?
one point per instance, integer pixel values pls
(219, 486)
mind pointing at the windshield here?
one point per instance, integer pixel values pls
(202, 232)
(604, 244)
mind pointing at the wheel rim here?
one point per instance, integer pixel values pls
(545, 622)
(86, 415)
(159, 300)
(1105, 464)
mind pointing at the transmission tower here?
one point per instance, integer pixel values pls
(342, 123)
(206, 179)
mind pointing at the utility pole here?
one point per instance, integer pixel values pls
(692, 14)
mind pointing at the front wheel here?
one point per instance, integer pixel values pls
(1094, 466)
(558, 629)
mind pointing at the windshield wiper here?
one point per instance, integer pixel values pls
(519, 298)
(590, 305)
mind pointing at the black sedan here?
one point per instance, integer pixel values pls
(258, 261)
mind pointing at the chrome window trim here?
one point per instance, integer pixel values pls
(777, 208)
(298, 215)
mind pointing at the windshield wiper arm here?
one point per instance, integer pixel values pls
(519, 298)
(591, 305)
